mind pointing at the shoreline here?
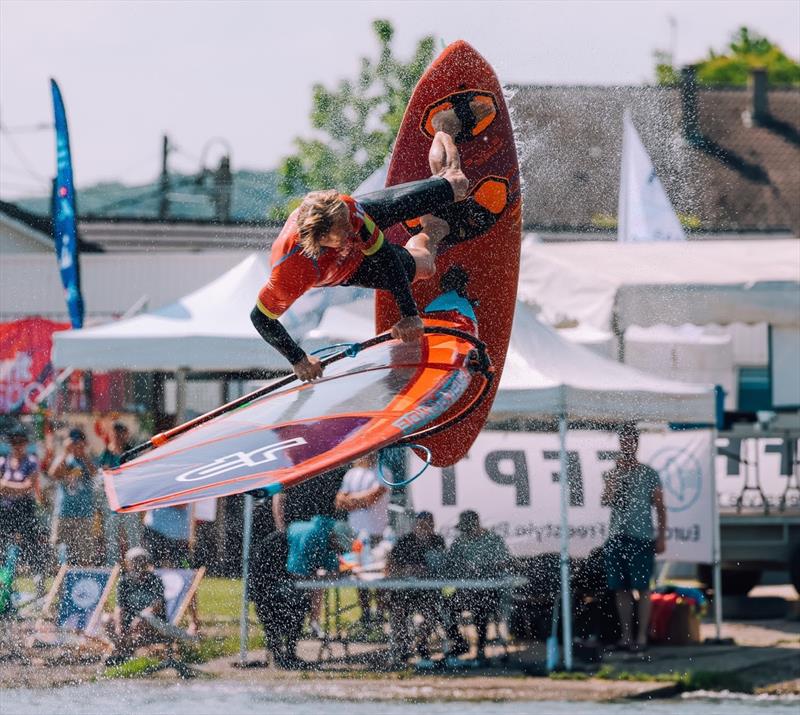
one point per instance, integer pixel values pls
(763, 661)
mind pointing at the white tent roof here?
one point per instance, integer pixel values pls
(208, 329)
(645, 284)
(546, 375)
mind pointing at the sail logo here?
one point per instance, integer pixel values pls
(239, 460)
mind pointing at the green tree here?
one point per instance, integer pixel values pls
(359, 120)
(746, 51)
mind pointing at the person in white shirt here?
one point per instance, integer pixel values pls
(366, 500)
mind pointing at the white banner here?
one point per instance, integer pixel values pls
(512, 480)
(645, 213)
(768, 463)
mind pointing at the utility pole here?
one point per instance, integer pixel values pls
(221, 191)
(163, 190)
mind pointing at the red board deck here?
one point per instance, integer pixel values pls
(490, 258)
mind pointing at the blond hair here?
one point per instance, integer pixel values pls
(315, 218)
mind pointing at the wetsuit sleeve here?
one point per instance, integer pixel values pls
(277, 336)
(406, 201)
(288, 280)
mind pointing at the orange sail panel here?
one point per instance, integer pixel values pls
(361, 404)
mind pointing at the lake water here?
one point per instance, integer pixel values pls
(150, 698)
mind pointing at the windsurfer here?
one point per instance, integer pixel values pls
(334, 239)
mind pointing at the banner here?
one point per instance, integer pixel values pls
(645, 213)
(25, 366)
(65, 229)
(512, 480)
(757, 469)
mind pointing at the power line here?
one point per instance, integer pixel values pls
(21, 156)
(28, 128)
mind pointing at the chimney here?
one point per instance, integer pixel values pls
(758, 88)
(689, 120)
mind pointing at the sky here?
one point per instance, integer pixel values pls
(239, 74)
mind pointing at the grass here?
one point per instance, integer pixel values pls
(686, 681)
(132, 668)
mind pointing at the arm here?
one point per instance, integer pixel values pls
(361, 500)
(278, 513)
(609, 488)
(661, 517)
(59, 468)
(30, 484)
(289, 279)
(277, 336)
(407, 201)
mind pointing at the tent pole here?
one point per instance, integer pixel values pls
(180, 394)
(566, 607)
(716, 550)
(247, 532)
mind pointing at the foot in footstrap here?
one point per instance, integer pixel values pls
(473, 216)
(463, 115)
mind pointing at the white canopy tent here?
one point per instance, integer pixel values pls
(546, 375)
(612, 286)
(208, 329)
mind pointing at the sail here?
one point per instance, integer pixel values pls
(366, 401)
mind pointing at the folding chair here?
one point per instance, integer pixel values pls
(180, 586)
(72, 609)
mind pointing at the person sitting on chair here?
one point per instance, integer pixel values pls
(140, 593)
(477, 553)
(419, 554)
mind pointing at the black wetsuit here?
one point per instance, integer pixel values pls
(390, 268)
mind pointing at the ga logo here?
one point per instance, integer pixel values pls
(239, 460)
(681, 477)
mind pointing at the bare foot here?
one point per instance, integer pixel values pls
(446, 121)
(445, 161)
(424, 245)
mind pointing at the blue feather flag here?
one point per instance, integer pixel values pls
(65, 226)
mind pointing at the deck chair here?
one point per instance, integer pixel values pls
(73, 607)
(180, 586)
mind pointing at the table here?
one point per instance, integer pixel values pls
(373, 580)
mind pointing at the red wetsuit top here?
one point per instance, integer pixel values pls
(293, 272)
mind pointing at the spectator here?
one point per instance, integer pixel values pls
(74, 470)
(631, 490)
(166, 536)
(114, 522)
(140, 593)
(419, 554)
(315, 546)
(279, 605)
(366, 500)
(19, 495)
(477, 553)
(314, 497)
(309, 499)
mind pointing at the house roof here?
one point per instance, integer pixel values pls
(42, 225)
(741, 176)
